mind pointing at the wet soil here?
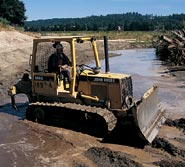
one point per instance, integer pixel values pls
(106, 157)
(178, 123)
(170, 163)
(165, 145)
(171, 146)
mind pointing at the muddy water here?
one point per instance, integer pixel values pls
(28, 144)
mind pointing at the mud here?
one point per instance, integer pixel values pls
(178, 123)
(27, 145)
(169, 163)
(105, 157)
(165, 145)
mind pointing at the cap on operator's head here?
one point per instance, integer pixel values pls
(58, 45)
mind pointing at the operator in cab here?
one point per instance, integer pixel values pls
(59, 62)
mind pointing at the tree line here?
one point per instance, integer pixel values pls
(125, 22)
(12, 12)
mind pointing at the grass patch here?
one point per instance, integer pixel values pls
(139, 36)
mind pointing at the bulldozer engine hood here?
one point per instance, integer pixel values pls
(102, 77)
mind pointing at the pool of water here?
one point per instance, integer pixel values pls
(141, 62)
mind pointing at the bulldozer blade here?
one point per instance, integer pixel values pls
(150, 115)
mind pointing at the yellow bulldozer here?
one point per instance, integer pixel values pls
(91, 95)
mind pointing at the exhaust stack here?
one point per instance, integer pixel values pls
(107, 69)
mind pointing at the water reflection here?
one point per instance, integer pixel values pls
(141, 62)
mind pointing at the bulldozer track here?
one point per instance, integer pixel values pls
(104, 113)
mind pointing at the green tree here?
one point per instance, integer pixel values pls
(183, 24)
(13, 11)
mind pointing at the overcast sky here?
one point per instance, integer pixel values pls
(47, 9)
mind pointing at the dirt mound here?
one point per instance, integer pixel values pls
(15, 50)
(167, 146)
(164, 145)
(106, 157)
(178, 123)
(167, 163)
(13, 39)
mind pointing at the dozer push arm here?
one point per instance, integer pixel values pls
(12, 93)
(22, 86)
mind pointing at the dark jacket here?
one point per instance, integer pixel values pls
(55, 60)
